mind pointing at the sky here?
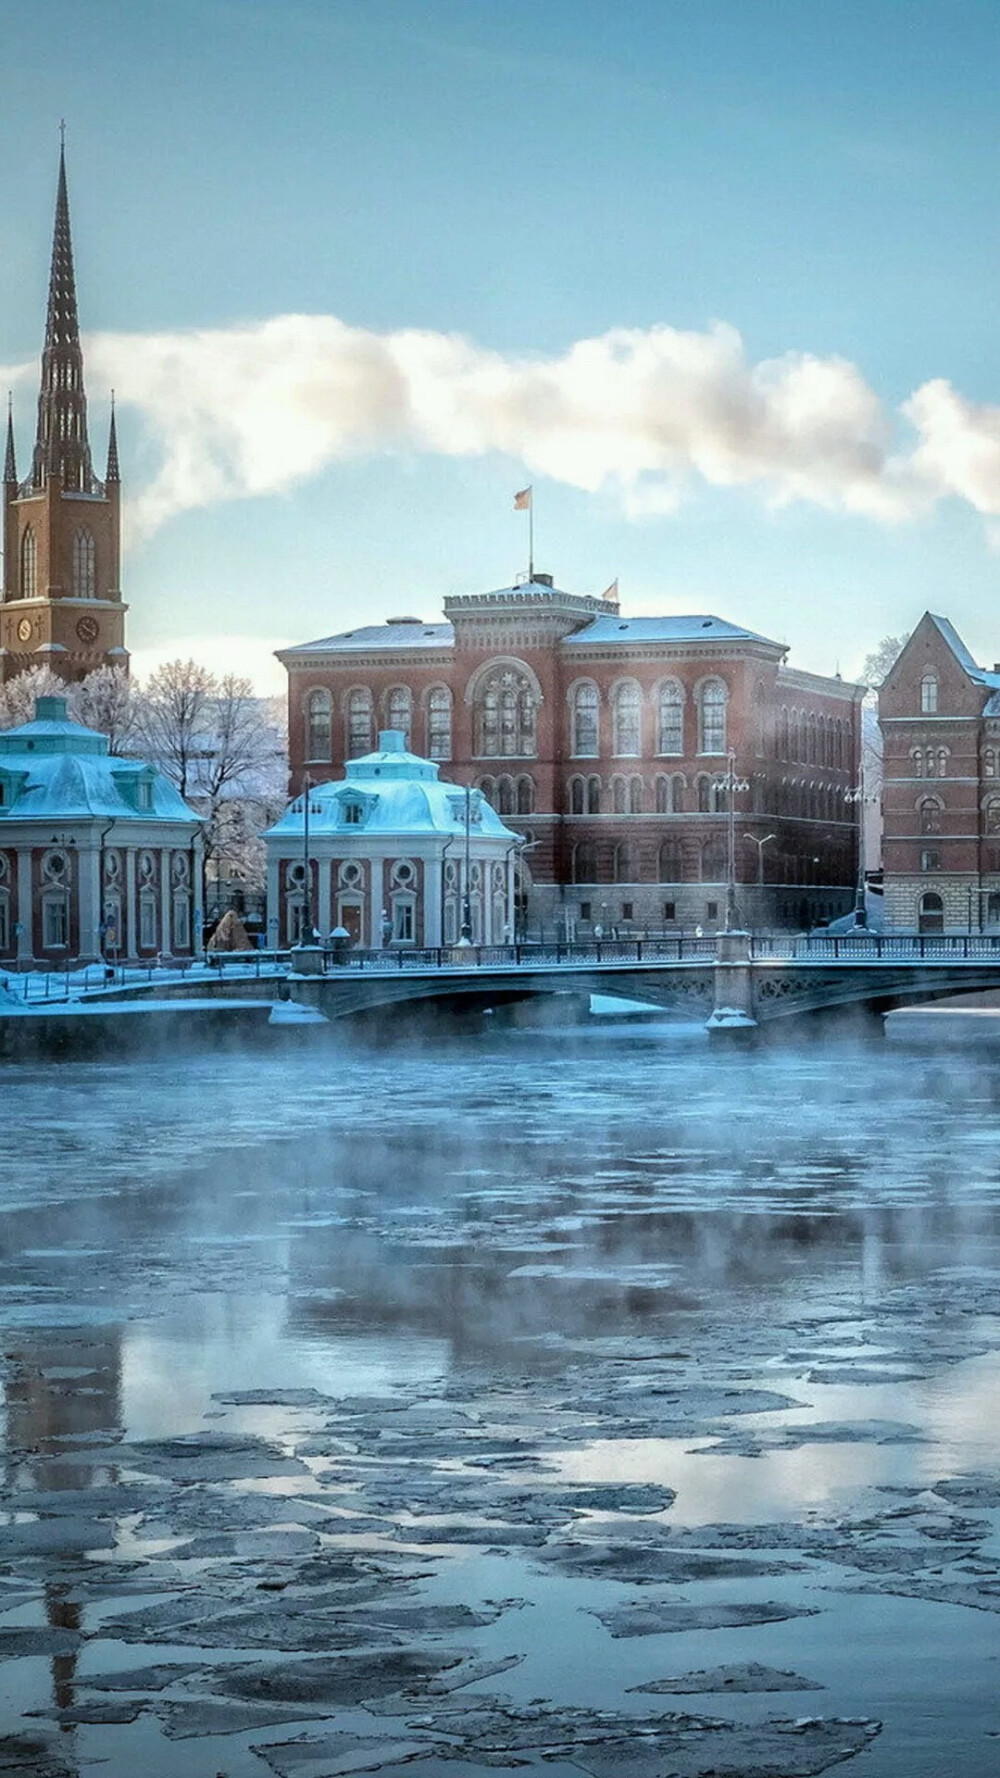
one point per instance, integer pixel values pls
(718, 280)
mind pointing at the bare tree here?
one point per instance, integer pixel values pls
(880, 662)
(106, 700)
(174, 721)
(17, 699)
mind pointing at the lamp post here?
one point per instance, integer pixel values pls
(305, 936)
(731, 784)
(857, 797)
(760, 844)
(466, 934)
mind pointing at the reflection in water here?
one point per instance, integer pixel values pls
(386, 1292)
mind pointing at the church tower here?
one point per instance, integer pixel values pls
(62, 605)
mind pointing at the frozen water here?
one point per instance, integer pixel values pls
(446, 1407)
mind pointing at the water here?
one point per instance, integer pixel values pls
(405, 1360)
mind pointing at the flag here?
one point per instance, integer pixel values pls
(522, 501)
(611, 592)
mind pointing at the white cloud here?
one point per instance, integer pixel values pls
(641, 414)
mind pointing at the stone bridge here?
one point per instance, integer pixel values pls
(733, 982)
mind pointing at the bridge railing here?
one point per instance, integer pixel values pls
(526, 955)
(867, 947)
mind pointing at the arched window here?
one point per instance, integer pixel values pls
(593, 796)
(624, 864)
(525, 795)
(930, 914)
(577, 794)
(627, 720)
(713, 860)
(399, 711)
(712, 702)
(83, 564)
(783, 733)
(839, 745)
(929, 695)
(585, 721)
(439, 722)
(584, 863)
(635, 796)
(811, 738)
(506, 803)
(359, 722)
(992, 816)
(704, 795)
(488, 786)
(664, 796)
(929, 810)
(990, 763)
(671, 862)
(29, 565)
(619, 796)
(505, 715)
(319, 726)
(670, 718)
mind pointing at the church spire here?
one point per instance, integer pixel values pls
(61, 447)
(10, 462)
(112, 475)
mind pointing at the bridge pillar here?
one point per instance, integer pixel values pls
(733, 1014)
(307, 960)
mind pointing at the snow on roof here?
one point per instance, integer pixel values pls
(393, 792)
(405, 634)
(56, 770)
(662, 629)
(961, 653)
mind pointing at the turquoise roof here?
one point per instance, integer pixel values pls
(53, 769)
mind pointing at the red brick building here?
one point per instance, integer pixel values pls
(940, 718)
(61, 603)
(605, 741)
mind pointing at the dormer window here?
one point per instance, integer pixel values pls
(144, 794)
(354, 814)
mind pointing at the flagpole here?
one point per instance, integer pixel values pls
(531, 535)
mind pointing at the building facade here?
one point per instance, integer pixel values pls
(610, 742)
(391, 855)
(940, 718)
(99, 856)
(61, 603)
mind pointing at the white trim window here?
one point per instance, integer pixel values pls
(627, 720)
(712, 701)
(319, 727)
(55, 922)
(670, 718)
(147, 921)
(585, 720)
(439, 722)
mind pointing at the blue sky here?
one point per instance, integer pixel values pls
(819, 177)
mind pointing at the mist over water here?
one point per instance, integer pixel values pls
(544, 1365)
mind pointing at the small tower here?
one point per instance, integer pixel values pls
(62, 605)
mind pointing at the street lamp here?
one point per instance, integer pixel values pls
(858, 798)
(465, 937)
(760, 844)
(731, 784)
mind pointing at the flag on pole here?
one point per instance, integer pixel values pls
(611, 592)
(522, 501)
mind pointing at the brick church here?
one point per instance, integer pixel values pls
(608, 742)
(62, 605)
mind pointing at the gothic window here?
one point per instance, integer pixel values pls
(712, 702)
(505, 715)
(670, 718)
(593, 796)
(929, 810)
(671, 862)
(713, 861)
(439, 723)
(319, 722)
(399, 711)
(929, 695)
(29, 565)
(585, 721)
(584, 863)
(635, 796)
(359, 722)
(577, 791)
(525, 795)
(627, 720)
(83, 564)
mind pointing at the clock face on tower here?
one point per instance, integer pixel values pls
(88, 629)
(24, 630)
